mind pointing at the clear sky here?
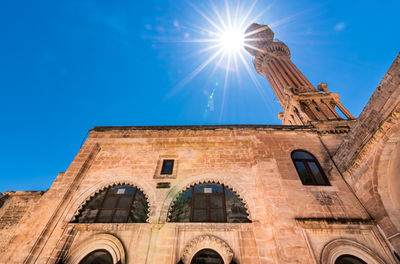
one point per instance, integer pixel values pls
(67, 66)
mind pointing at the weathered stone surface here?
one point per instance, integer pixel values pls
(378, 109)
(253, 161)
(13, 207)
(368, 153)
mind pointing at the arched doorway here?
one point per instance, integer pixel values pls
(207, 247)
(97, 257)
(345, 251)
(207, 256)
(99, 248)
(349, 259)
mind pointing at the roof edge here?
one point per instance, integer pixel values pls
(202, 127)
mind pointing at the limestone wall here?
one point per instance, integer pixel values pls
(380, 106)
(13, 207)
(254, 162)
(367, 154)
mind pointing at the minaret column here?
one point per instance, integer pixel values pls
(269, 71)
(275, 62)
(301, 102)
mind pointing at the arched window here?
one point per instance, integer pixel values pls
(308, 168)
(97, 257)
(207, 256)
(209, 202)
(118, 204)
(349, 259)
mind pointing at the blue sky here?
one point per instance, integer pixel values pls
(67, 66)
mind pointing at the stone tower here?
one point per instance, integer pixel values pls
(302, 104)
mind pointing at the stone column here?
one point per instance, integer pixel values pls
(291, 87)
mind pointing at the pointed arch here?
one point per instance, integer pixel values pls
(88, 194)
(233, 190)
(121, 203)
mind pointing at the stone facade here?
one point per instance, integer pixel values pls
(13, 207)
(357, 213)
(368, 156)
(291, 222)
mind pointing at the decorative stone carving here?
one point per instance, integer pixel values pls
(324, 198)
(323, 87)
(106, 242)
(207, 241)
(258, 36)
(338, 247)
(277, 49)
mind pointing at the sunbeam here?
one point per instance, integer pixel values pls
(194, 73)
(226, 41)
(225, 87)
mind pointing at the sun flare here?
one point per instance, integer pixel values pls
(226, 40)
(232, 40)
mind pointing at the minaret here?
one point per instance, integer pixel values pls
(302, 104)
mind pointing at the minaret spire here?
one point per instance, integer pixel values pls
(302, 104)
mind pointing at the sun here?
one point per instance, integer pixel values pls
(226, 36)
(225, 39)
(232, 40)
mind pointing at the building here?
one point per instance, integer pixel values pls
(321, 188)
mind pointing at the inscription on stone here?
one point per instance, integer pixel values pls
(163, 185)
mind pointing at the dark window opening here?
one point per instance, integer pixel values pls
(97, 257)
(207, 256)
(118, 204)
(349, 259)
(209, 202)
(308, 168)
(167, 167)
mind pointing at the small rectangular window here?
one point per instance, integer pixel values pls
(167, 167)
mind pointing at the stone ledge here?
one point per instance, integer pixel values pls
(203, 127)
(23, 193)
(334, 221)
(135, 226)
